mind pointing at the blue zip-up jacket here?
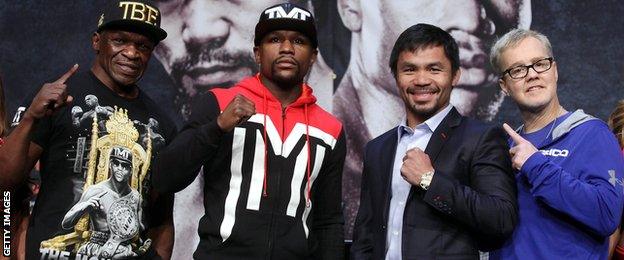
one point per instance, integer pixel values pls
(570, 194)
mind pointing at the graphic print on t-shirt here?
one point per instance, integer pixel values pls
(110, 159)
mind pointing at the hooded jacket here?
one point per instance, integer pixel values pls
(570, 193)
(272, 186)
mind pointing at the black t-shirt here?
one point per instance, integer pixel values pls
(66, 141)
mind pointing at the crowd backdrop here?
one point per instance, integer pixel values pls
(41, 39)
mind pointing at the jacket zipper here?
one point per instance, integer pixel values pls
(276, 200)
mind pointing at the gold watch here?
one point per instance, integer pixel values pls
(425, 180)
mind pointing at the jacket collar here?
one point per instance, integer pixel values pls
(442, 133)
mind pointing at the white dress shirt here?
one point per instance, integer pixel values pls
(408, 139)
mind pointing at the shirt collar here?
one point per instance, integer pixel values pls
(432, 123)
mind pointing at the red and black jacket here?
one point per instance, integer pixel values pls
(272, 186)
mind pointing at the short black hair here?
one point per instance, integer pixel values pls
(421, 36)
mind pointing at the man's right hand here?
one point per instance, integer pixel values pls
(239, 110)
(51, 97)
(521, 151)
(94, 203)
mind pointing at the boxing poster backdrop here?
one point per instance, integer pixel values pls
(210, 44)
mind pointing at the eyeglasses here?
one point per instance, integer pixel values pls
(521, 71)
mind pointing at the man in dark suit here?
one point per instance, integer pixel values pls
(455, 198)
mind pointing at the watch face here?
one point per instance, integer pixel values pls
(425, 180)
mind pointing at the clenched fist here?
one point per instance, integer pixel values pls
(237, 111)
(415, 164)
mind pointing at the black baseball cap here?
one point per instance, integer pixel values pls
(138, 16)
(286, 16)
(121, 153)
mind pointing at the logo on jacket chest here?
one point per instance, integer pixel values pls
(281, 148)
(285, 148)
(555, 152)
(256, 178)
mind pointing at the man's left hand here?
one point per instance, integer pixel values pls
(415, 164)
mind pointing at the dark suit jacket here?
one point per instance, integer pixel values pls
(470, 205)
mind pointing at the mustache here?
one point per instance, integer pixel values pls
(222, 57)
(289, 59)
(197, 54)
(127, 62)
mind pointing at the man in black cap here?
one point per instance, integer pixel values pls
(208, 46)
(127, 32)
(272, 158)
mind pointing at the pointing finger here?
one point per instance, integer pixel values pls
(101, 194)
(67, 74)
(514, 136)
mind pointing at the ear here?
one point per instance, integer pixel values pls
(554, 66)
(256, 51)
(504, 88)
(351, 14)
(95, 41)
(456, 77)
(313, 56)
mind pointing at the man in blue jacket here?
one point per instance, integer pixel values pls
(569, 166)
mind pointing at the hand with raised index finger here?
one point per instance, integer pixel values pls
(93, 203)
(51, 97)
(521, 149)
(239, 110)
